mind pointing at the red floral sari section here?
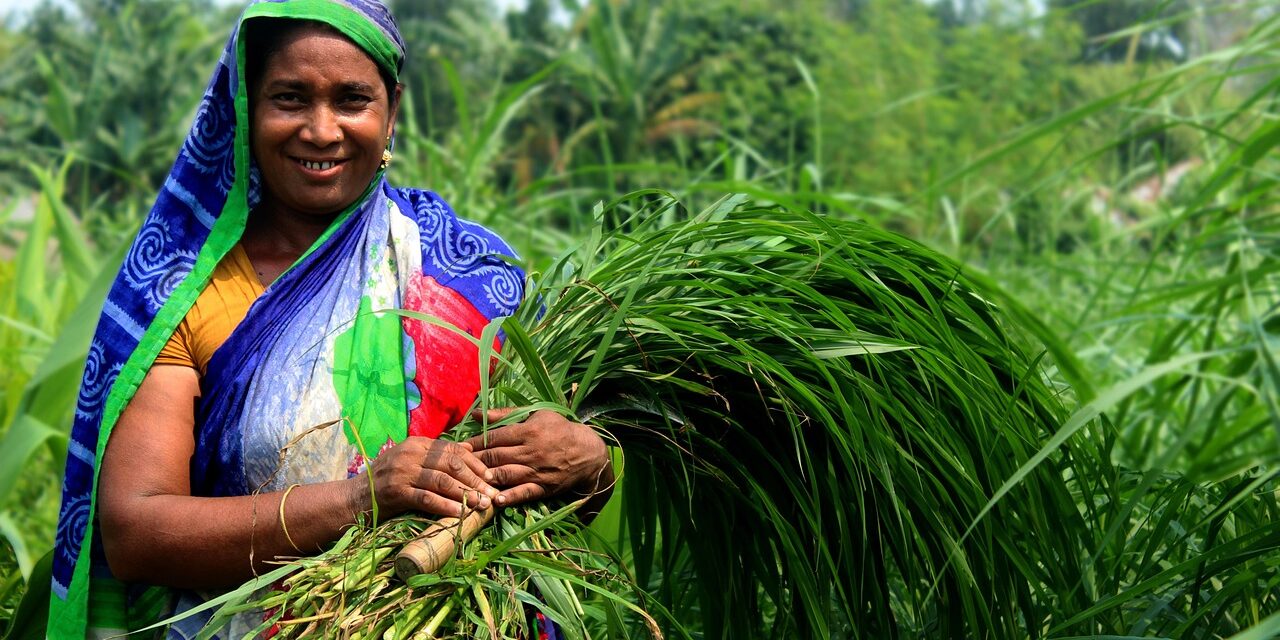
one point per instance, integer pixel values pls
(446, 364)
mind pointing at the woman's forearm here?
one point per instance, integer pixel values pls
(217, 543)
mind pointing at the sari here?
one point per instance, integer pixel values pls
(325, 343)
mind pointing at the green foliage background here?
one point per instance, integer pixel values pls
(1110, 163)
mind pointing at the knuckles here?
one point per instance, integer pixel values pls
(437, 482)
(551, 454)
(403, 493)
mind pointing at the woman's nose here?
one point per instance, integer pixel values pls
(322, 128)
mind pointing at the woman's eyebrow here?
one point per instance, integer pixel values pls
(291, 85)
(288, 84)
(357, 87)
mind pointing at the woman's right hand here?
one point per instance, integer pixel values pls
(432, 476)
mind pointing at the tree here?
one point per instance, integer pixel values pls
(1102, 20)
(112, 85)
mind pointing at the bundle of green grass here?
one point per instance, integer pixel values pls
(528, 564)
(815, 416)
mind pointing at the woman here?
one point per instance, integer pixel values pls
(242, 381)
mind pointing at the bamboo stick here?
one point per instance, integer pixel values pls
(438, 544)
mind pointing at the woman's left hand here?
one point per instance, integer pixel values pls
(544, 456)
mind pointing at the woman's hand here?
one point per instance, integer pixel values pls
(433, 476)
(544, 456)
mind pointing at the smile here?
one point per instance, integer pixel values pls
(323, 165)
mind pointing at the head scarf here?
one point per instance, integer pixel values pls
(390, 374)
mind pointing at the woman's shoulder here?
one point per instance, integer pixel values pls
(439, 223)
(463, 255)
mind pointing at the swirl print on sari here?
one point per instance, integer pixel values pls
(324, 343)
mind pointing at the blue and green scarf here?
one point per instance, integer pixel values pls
(314, 347)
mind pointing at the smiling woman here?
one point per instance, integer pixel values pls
(243, 389)
(320, 127)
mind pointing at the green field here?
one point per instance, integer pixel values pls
(1103, 173)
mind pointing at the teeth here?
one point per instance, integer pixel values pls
(318, 166)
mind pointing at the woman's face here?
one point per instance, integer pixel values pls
(321, 120)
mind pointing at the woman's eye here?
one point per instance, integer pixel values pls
(287, 98)
(356, 100)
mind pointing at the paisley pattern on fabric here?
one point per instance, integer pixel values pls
(155, 266)
(463, 255)
(505, 290)
(98, 377)
(72, 520)
(211, 148)
(380, 15)
(255, 186)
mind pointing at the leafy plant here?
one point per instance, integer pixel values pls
(112, 90)
(530, 561)
(40, 376)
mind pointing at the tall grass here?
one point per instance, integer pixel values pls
(115, 91)
(834, 391)
(856, 403)
(46, 319)
(1188, 285)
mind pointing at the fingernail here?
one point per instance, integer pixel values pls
(484, 503)
(488, 476)
(502, 500)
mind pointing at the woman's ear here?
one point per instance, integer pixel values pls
(395, 110)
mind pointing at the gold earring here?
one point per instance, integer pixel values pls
(386, 159)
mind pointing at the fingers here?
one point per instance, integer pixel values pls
(494, 415)
(545, 455)
(451, 488)
(512, 475)
(492, 437)
(436, 504)
(528, 492)
(448, 470)
(458, 465)
(504, 437)
(457, 460)
(498, 456)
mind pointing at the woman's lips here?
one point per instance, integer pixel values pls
(320, 169)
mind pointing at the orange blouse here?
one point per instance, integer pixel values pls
(232, 288)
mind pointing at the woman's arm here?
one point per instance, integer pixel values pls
(154, 531)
